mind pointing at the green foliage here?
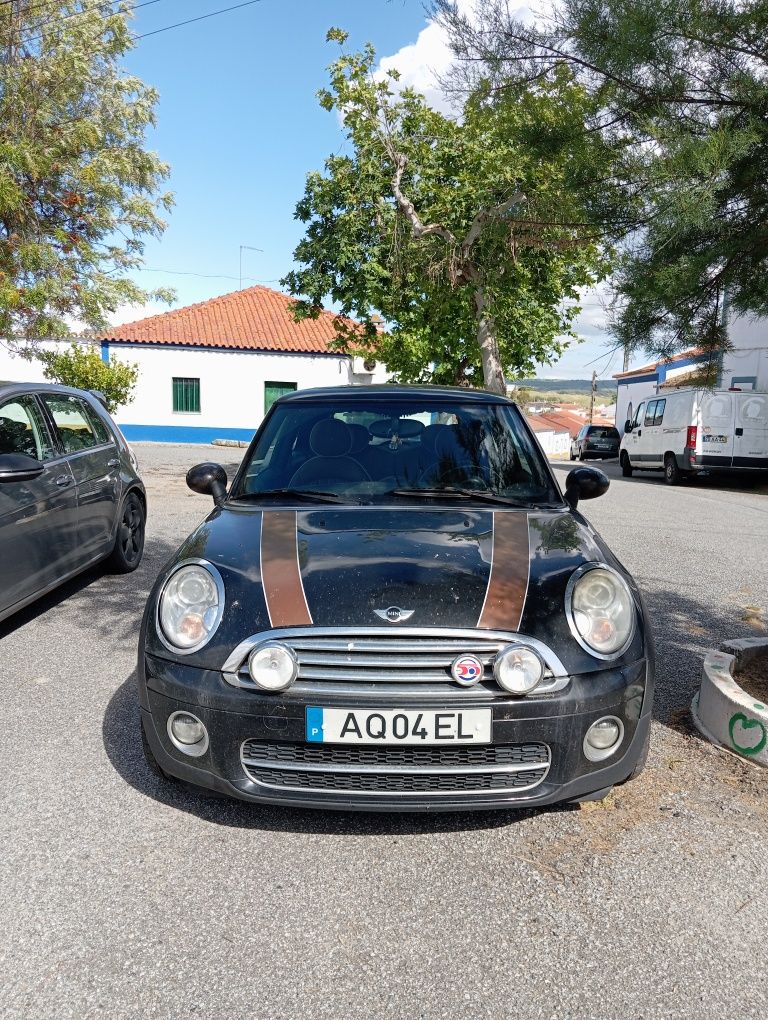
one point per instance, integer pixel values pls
(470, 237)
(82, 366)
(681, 86)
(78, 191)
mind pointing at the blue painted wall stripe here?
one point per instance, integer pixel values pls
(104, 350)
(182, 434)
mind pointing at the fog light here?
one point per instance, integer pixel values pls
(273, 666)
(518, 669)
(187, 733)
(603, 738)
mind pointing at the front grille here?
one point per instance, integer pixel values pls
(405, 770)
(489, 755)
(409, 660)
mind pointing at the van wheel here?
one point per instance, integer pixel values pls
(572, 455)
(581, 455)
(672, 473)
(626, 465)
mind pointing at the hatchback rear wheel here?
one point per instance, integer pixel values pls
(129, 541)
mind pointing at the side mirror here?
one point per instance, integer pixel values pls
(627, 425)
(18, 467)
(208, 480)
(584, 483)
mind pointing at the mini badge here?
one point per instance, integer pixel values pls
(466, 670)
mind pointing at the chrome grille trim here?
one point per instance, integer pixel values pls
(409, 660)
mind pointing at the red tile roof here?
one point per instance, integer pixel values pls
(254, 319)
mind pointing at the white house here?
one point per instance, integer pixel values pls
(744, 367)
(212, 370)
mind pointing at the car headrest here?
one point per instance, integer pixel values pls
(360, 438)
(330, 438)
(429, 436)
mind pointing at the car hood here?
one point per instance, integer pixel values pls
(503, 570)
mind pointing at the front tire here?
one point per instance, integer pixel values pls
(672, 473)
(626, 465)
(129, 541)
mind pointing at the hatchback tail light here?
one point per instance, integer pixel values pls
(691, 437)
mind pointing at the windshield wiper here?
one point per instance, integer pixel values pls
(479, 494)
(311, 495)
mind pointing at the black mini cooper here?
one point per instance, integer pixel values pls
(393, 607)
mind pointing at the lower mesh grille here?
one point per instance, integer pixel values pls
(406, 770)
(255, 751)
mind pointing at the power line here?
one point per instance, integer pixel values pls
(178, 24)
(205, 276)
(94, 7)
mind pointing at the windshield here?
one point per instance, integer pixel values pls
(378, 452)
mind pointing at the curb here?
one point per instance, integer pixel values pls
(726, 714)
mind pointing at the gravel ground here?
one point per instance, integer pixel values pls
(125, 897)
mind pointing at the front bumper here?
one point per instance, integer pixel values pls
(558, 720)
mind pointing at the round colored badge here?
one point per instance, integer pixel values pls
(467, 670)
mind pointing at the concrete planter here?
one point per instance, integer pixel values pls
(725, 713)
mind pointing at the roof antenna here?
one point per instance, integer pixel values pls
(246, 247)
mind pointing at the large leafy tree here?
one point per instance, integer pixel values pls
(78, 190)
(682, 87)
(470, 236)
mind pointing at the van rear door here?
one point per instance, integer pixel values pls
(717, 428)
(750, 446)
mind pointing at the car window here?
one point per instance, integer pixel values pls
(368, 451)
(101, 431)
(23, 429)
(639, 416)
(72, 422)
(603, 432)
(650, 412)
(658, 416)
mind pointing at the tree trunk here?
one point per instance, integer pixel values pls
(493, 373)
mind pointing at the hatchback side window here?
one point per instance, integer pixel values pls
(72, 422)
(650, 413)
(658, 416)
(100, 429)
(23, 430)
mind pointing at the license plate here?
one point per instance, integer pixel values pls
(393, 726)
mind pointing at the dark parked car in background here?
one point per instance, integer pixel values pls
(394, 607)
(70, 492)
(595, 441)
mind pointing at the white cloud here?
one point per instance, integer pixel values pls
(132, 313)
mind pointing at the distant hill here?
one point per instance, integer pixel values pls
(580, 386)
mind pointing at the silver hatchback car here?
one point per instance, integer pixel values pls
(70, 491)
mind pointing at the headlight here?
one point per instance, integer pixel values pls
(518, 669)
(272, 666)
(600, 610)
(190, 606)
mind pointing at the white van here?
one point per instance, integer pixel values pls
(681, 432)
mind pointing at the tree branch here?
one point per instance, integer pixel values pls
(407, 207)
(485, 216)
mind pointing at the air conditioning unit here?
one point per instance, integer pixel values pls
(363, 366)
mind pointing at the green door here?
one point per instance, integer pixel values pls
(274, 390)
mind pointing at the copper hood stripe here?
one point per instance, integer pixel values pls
(280, 574)
(510, 567)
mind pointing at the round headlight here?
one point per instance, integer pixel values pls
(600, 610)
(273, 666)
(518, 669)
(190, 606)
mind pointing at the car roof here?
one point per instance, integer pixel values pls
(15, 388)
(390, 391)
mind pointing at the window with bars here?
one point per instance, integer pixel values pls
(186, 395)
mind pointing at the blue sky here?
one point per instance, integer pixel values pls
(240, 125)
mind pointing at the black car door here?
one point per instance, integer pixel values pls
(94, 458)
(38, 517)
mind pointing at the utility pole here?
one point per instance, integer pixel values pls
(592, 396)
(245, 247)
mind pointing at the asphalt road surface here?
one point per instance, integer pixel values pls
(122, 896)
